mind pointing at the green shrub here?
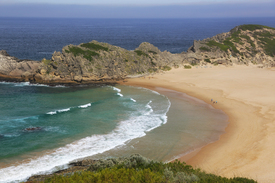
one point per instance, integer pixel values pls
(248, 40)
(269, 46)
(207, 60)
(219, 45)
(230, 44)
(265, 34)
(187, 66)
(76, 51)
(151, 70)
(252, 27)
(140, 53)
(204, 48)
(138, 169)
(150, 51)
(94, 46)
(166, 68)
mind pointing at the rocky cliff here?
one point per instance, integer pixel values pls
(14, 69)
(96, 62)
(245, 44)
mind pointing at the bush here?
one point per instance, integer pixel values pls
(269, 46)
(204, 48)
(138, 169)
(219, 45)
(252, 27)
(94, 46)
(150, 51)
(140, 53)
(76, 51)
(207, 60)
(187, 66)
(166, 68)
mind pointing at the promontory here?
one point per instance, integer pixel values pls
(97, 62)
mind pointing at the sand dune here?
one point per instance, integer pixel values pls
(247, 95)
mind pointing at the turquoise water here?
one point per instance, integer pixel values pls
(73, 122)
(99, 122)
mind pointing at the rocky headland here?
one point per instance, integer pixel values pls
(96, 62)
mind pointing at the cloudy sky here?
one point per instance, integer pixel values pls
(137, 9)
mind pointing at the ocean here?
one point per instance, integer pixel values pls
(43, 128)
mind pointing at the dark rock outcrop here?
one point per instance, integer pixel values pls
(32, 129)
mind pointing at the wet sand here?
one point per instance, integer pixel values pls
(246, 95)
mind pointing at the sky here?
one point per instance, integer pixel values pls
(137, 9)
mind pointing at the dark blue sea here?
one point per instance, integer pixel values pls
(101, 121)
(38, 38)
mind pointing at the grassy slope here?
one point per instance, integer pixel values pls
(265, 39)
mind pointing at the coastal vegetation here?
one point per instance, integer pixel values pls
(76, 51)
(94, 46)
(140, 53)
(262, 36)
(207, 60)
(137, 169)
(166, 68)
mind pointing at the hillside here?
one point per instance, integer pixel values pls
(244, 44)
(96, 62)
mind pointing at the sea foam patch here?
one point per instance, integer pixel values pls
(23, 84)
(116, 89)
(133, 100)
(68, 109)
(59, 111)
(119, 94)
(85, 106)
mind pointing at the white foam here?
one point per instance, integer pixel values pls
(149, 107)
(64, 110)
(155, 92)
(52, 113)
(22, 84)
(133, 100)
(29, 84)
(120, 94)
(4, 82)
(116, 89)
(85, 106)
(59, 86)
(59, 111)
(11, 135)
(134, 127)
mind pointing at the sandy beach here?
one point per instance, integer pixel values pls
(246, 95)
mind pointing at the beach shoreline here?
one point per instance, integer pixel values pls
(244, 93)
